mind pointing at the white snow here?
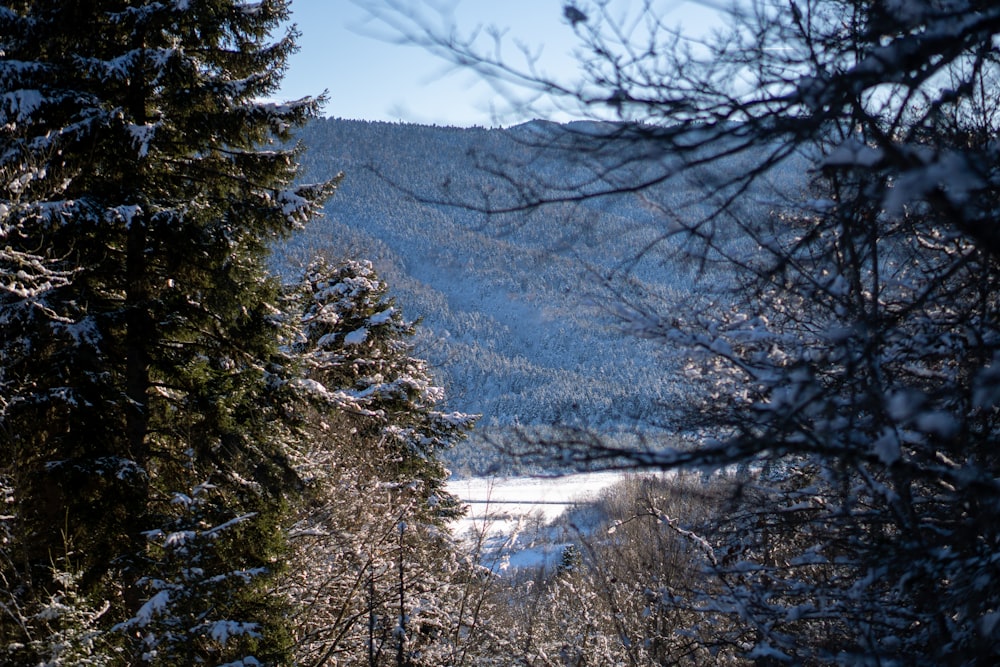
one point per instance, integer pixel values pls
(525, 495)
(246, 8)
(179, 538)
(124, 214)
(356, 337)
(500, 509)
(142, 135)
(153, 606)
(381, 318)
(248, 661)
(887, 447)
(294, 207)
(938, 423)
(221, 631)
(951, 172)
(765, 650)
(22, 103)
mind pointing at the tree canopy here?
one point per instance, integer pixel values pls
(145, 180)
(851, 370)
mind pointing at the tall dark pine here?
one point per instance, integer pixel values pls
(137, 318)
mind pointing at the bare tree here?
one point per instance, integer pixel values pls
(851, 368)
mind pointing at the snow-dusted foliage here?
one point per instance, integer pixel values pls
(619, 593)
(61, 627)
(196, 595)
(69, 633)
(508, 318)
(358, 355)
(853, 371)
(858, 371)
(373, 575)
(137, 315)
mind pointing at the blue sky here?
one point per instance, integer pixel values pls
(371, 78)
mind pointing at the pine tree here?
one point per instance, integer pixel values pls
(137, 317)
(370, 580)
(356, 347)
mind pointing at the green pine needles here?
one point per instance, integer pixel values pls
(144, 181)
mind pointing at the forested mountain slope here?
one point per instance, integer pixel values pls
(516, 309)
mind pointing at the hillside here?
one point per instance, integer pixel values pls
(516, 308)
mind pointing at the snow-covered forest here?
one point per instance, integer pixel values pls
(513, 307)
(761, 280)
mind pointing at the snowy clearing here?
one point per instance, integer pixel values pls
(511, 514)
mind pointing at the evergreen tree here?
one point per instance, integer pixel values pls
(138, 336)
(356, 349)
(373, 564)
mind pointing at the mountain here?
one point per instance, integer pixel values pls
(517, 308)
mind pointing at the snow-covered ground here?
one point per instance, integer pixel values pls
(511, 515)
(546, 496)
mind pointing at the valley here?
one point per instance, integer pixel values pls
(517, 310)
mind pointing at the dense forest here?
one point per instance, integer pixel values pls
(516, 307)
(507, 301)
(768, 273)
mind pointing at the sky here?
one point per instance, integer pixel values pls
(346, 52)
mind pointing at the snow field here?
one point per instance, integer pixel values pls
(508, 518)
